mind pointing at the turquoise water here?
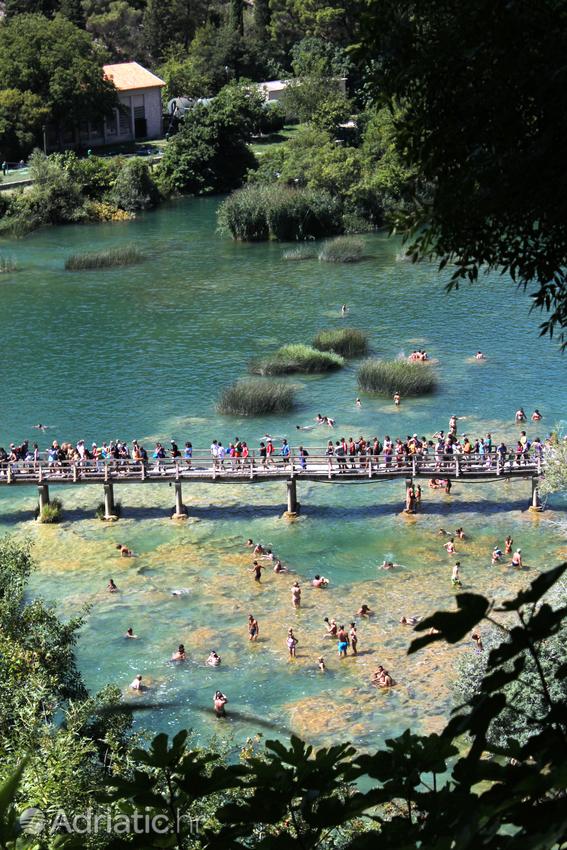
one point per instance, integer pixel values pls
(143, 353)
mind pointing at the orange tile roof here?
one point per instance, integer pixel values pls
(131, 75)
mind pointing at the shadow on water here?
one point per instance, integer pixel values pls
(309, 510)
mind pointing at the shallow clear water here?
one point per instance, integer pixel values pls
(143, 353)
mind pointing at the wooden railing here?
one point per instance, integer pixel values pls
(318, 464)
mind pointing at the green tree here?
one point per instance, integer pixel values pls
(237, 16)
(22, 115)
(73, 11)
(331, 112)
(262, 18)
(56, 61)
(210, 153)
(555, 479)
(485, 119)
(12, 8)
(116, 25)
(134, 188)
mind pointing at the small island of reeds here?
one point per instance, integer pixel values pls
(386, 377)
(255, 397)
(296, 358)
(126, 255)
(347, 342)
(343, 249)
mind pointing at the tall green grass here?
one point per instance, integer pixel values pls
(343, 249)
(296, 358)
(387, 377)
(8, 264)
(125, 255)
(52, 513)
(254, 397)
(302, 252)
(257, 213)
(348, 342)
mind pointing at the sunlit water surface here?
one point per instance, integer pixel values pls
(143, 353)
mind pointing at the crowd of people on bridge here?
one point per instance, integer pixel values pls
(344, 454)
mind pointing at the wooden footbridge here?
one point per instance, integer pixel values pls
(318, 466)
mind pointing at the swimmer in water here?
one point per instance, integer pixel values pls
(257, 570)
(259, 549)
(397, 399)
(450, 546)
(409, 621)
(520, 415)
(344, 310)
(332, 627)
(536, 415)
(456, 576)
(279, 567)
(213, 660)
(496, 555)
(180, 654)
(130, 634)
(342, 642)
(321, 663)
(479, 356)
(358, 403)
(111, 587)
(250, 543)
(296, 595)
(353, 637)
(388, 565)
(40, 427)
(320, 581)
(124, 551)
(517, 559)
(305, 427)
(291, 643)
(137, 684)
(364, 611)
(460, 533)
(253, 628)
(219, 702)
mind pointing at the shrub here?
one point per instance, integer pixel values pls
(272, 118)
(134, 188)
(297, 358)
(348, 342)
(103, 211)
(126, 255)
(259, 212)
(344, 249)
(52, 513)
(256, 397)
(302, 252)
(389, 376)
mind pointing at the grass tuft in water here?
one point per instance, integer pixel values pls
(52, 513)
(302, 252)
(254, 397)
(297, 358)
(126, 255)
(348, 342)
(387, 377)
(8, 264)
(343, 249)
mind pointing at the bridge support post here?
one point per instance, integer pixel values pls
(43, 496)
(110, 514)
(292, 503)
(536, 504)
(180, 511)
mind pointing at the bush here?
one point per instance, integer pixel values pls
(52, 513)
(126, 255)
(256, 397)
(258, 212)
(297, 358)
(344, 249)
(134, 188)
(272, 118)
(347, 342)
(389, 376)
(302, 252)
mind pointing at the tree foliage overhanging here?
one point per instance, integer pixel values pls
(486, 124)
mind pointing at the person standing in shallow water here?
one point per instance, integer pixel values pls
(291, 644)
(253, 628)
(257, 570)
(296, 595)
(353, 638)
(342, 645)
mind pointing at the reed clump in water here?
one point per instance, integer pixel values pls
(125, 255)
(255, 397)
(348, 342)
(386, 377)
(297, 358)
